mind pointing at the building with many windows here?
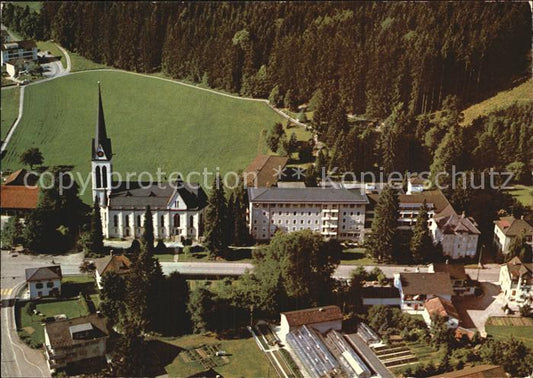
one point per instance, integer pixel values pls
(334, 213)
(12, 51)
(177, 207)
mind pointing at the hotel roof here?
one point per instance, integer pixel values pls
(308, 195)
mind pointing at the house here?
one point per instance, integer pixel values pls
(380, 295)
(479, 371)
(74, 340)
(461, 282)
(320, 318)
(177, 207)
(506, 229)
(26, 50)
(264, 171)
(13, 67)
(416, 288)
(438, 306)
(44, 281)
(119, 264)
(335, 213)
(516, 280)
(19, 194)
(457, 234)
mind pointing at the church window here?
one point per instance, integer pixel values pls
(104, 176)
(115, 220)
(176, 220)
(127, 220)
(162, 221)
(98, 177)
(138, 221)
(191, 220)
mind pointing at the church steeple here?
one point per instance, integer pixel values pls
(101, 143)
(101, 157)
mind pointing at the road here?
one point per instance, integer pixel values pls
(489, 274)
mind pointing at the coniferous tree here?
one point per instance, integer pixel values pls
(130, 355)
(96, 237)
(112, 296)
(421, 243)
(215, 219)
(147, 238)
(384, 235)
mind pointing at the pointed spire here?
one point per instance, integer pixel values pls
(101, 141)
(100, 121)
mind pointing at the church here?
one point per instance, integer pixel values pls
(177, 208)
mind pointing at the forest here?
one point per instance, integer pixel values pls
(374, 55)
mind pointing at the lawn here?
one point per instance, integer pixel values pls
(68, 304)
(10, 109)
(79, 63)
(33, 5)
(522, 93)
(245, 360)
(524, 194)
(54, 50)
(32, 324)
(152, 124)
(356, 256)
(502, 328)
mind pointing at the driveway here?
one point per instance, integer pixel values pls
(474, 311)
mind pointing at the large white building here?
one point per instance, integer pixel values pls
(516, 281)
(457, 234)
(12, 51)
(177, 207)
(334, 213)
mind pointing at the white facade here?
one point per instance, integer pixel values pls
(44, 288)
(19, 50)
(339, 221)
(169, 224)
(456, 245)
(415, 302)
(516, 282)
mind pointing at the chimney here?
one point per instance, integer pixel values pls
(110, 252)
(447, 261)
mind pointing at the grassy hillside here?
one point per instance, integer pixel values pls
(9, 109)
(152, 123)
(522, 93)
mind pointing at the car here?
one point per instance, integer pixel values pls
(221, 353)
(14, 255)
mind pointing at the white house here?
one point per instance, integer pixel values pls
(457, 234)
(119, 264)
(416, 288)
(335, 213)
(438, 306)
(506, 229)
(74, 340)
(26, 50)
(320, 318)
(44, 281)
(177, 207)
(516, 281)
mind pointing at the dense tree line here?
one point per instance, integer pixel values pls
(375, 55)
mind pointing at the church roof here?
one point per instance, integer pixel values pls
(156, 195)
(101, 138)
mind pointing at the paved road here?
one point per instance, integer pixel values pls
(490, 274)
(18, 360)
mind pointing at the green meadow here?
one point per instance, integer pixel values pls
(152, 123)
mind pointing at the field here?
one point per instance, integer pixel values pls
(79, 63)
(522, 93)
(152, 123)
(504, 327)
(10, 109)
(524, 194)
(244, 360)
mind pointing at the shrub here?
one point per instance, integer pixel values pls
(160, 247)
(135, 247)
(187, 249)
(187, 242)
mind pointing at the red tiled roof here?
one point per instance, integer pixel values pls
(441, 307)
(115, 263)
(262, 170)
(18, 197)
(18, 178)
(313, 315)
(511, 226)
